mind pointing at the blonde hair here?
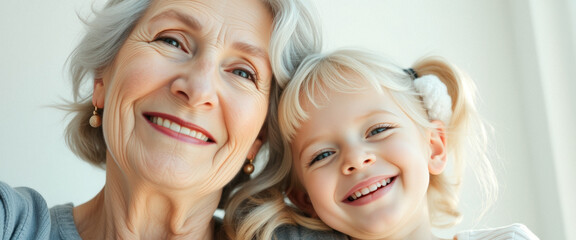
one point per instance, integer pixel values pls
(297, 35)
(319, 73)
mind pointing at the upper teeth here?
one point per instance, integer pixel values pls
(178, 128)
(365, 191)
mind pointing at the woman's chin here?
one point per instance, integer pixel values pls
(175, 173)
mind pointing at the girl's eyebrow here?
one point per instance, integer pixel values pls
(376, 112)
(305, 145)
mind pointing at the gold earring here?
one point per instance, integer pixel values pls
(248, 167)
(95, 120)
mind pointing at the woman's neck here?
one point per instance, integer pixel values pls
(139, 210)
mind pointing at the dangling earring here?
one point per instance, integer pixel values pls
(95, 120)
(248, 167)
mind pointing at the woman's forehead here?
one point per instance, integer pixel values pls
(247, 22)
(215, 10)
(244, 26)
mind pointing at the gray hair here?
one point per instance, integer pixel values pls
(295, 35)
(105, 35)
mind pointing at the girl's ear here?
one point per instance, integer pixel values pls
(437, 161)
(99, 94)
(301, 199)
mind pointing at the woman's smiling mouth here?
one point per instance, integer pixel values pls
(177, 128)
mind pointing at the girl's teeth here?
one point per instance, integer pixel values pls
(373, 187)
(385, 182)
(369, 189)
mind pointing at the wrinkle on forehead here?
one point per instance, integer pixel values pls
(220, 8)
(220, 16)
(243, 25)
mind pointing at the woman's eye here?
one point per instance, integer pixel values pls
(321, 156)
(172, 42)
(243, 73)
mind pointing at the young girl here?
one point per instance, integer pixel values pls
(377, 151)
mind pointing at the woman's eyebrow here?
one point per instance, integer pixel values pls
(188, 20)
(194, 24)
(251, 50)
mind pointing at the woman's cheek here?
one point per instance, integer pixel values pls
(244, 123)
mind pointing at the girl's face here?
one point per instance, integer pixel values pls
(187, 94)
(364, 165)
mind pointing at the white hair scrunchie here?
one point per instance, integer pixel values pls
(435, 97)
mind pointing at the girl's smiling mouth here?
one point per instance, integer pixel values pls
(179, 129)
(372, 191)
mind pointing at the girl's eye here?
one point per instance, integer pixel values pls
(376, 131)
(245, 74)
(321, 156)
(379, 129)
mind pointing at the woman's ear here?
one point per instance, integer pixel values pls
(257, 143)
(99, 94)
(437, 161)
(301, 199)
(254, 149)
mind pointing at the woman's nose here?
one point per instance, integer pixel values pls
(198, 86)
(357, 161)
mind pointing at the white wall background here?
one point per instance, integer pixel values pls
(521, 53)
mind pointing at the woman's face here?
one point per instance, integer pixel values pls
(187, 94)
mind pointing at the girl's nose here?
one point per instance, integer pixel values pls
(357, 161)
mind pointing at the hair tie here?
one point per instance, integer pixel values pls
(410, 71)
(435, 97)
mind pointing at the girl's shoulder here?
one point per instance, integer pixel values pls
(515, 231)
(286, 232)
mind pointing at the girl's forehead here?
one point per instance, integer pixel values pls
(350, 84)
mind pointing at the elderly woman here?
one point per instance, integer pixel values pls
(181, 90)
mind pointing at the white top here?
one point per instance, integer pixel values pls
(512, 232)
